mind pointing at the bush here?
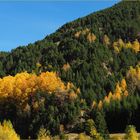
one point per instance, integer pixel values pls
(43, 134)
(89, 125)
(131, 133)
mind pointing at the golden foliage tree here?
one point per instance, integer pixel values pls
(77, 34)
(118, 94)
(119, 44)
(123, 84)
(94, 104)
(7, 131)
(82, 32)
(106, 99)
(91, 37)
(22, 85)
(72, 95)
(136, 46)
(106, 40)
(43, 134)
(100, 105)
(66, 67)
(115, 46)
(134, 73)
(128, 45)
(133, 76)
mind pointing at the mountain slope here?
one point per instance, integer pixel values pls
(119, 21)
(89, 60)
(94, 53)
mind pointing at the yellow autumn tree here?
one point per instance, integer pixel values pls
(123, 84)
(125, 93)
(100, 105)
(120, 91)
(7, 131)
(106, 40)
(131, 72)
(134, 74)
(128, 45)
(50, 82)
(82, 32)
(91, 37)
(117, 93)
(78, 90)
(110, 95)
(121, 44)
(94, 104)
(106, 99)
(115, 46)
(72, 95)
(77, 34)
(43, 134)
(66, 67)
(22, 85)
(85, 31)
(118, 45)
(136, 46)
(38, 65)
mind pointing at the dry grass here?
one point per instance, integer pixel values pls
(119, 136)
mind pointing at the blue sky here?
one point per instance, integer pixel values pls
(25, 22)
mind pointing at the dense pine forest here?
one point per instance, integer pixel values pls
(84, 79)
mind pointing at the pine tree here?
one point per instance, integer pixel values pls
(101, 125)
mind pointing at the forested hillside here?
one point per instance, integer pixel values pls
(92, 83)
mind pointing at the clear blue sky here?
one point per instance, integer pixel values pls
(25, 22)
